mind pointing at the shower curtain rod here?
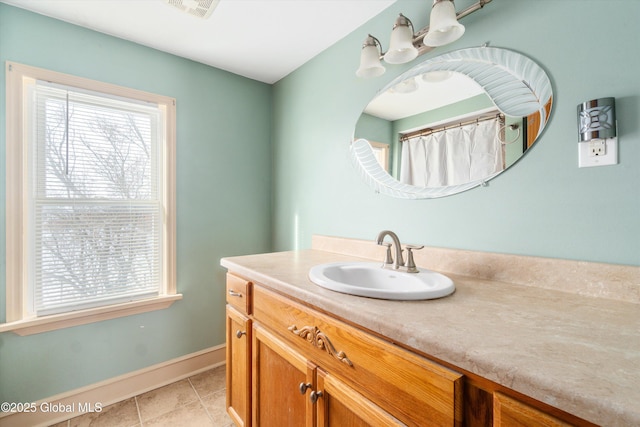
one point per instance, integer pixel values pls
(452, 125)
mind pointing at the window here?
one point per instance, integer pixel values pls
(90, 200)
(381, 153)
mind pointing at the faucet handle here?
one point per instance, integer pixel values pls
(411, 265)
(388, 259)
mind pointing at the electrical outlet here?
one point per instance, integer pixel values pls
(601, 152)
(597, 147)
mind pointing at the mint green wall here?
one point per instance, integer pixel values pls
(374, 129)
(223, 204)
(544, 206)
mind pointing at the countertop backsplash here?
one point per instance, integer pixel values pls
(611, 281)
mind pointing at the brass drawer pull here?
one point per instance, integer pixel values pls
(235, 294)
(318, 339)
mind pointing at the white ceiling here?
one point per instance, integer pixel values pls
(392, 105)
(260, 39)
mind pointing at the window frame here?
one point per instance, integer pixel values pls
(18, 318)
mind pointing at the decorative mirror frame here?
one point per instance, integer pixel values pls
(516, 85)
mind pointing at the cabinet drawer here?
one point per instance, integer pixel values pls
(414, 389)
(239, 293)
(511, 412)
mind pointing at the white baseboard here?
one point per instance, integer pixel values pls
(115, 389)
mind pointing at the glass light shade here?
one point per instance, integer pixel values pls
(370, 62)
(436, 76)
(401, 49)
(405, 86)
(444, 27)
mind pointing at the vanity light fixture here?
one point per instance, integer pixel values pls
(406, 45)
(597, 129)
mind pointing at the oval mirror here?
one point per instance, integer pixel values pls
(451, 123)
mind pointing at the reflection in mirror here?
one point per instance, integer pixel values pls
(452, 123)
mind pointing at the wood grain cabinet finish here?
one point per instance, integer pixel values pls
(509, 412)
(291, 365)
(347, 371)
(340, 406)
(278, 371)
(290, 389)
(238, 350)
(238, 369)
(239, 293)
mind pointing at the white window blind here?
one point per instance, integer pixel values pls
(95, 203)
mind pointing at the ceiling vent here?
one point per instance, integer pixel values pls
(200, 8)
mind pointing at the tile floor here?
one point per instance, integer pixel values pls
(193, 402)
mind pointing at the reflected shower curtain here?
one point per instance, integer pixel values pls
(452, 156)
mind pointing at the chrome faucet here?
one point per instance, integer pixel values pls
(398, 261)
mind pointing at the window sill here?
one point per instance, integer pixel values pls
(82, 317)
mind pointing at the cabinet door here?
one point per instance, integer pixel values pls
(341, 406)
(238, 367)
(282, 382)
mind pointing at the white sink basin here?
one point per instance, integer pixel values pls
(369, 279)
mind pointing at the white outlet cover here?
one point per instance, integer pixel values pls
(586, 159)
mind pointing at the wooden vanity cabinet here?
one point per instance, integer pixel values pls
(348, 377)
(290, 365)
(238, 351)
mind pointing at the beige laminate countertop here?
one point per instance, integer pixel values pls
(578, 353)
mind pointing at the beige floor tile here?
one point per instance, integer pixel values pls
(121, 414)
(198, 401)
(165, 399)
(210, 381)
(216, 406)
(192, 415)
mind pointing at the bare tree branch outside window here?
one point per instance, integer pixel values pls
(97, 204)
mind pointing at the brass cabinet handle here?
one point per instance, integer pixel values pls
(240, 333)
(303, 387)
(314, 396)
(234, 293)
(318, 339)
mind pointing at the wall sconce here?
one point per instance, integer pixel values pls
(405, 45)
(597, 130)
